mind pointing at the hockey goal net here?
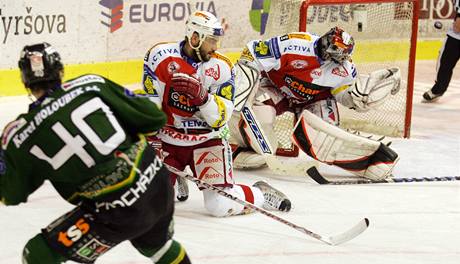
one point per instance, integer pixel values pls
(385, 33)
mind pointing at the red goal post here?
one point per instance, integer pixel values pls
(386, 37)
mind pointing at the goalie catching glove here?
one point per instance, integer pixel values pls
(372, 90)
(191, 86)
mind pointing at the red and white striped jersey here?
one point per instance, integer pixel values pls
(292, 64)
(188, 124)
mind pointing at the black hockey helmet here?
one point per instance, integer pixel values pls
(336, 45)
(39, 63)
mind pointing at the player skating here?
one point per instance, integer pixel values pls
(74, 135)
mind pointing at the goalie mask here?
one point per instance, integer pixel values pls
(206, 25)
(39, 63)
(336, 45)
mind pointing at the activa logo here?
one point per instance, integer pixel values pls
(112, 18)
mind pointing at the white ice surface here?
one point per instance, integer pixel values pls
(410, 223)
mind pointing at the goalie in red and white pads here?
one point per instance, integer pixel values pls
(307, 75)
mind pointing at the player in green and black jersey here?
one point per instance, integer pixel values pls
(86, 137)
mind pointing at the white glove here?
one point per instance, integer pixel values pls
(372, 90)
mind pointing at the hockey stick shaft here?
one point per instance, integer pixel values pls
(208, 186)
(339, 239)
(333, 240)
(317, 177)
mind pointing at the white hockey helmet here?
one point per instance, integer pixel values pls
(205, 25)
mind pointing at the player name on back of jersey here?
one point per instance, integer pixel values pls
(49, 108)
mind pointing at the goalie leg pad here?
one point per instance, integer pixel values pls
(329, 144)
(247, 159)
(381, 162)
(253, 128)
(256, 128)
(255, 133)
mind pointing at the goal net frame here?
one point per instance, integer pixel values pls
(412, 50)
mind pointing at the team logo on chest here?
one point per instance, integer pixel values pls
(300, 87)
(299, 64)
(340, 71)
(173, 67)
(213, 72)
(316, 73)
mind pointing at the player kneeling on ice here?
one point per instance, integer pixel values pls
(307, 75)
(194, 86)
(80, 135)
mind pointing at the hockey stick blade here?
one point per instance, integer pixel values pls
(317, 177)
(350, 234)
(347, 235)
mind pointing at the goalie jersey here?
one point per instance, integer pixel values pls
(187, 124)
(292, 64)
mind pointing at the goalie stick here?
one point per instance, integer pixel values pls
(317, 177)
(332, 240)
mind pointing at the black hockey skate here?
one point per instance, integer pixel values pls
(429, 96)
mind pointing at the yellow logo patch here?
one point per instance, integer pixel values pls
(227, 92)
(148, 84)
(246, 55)
(262, 48)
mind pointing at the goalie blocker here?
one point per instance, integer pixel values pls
(329, 144)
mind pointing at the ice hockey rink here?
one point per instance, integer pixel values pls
(410, 223)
